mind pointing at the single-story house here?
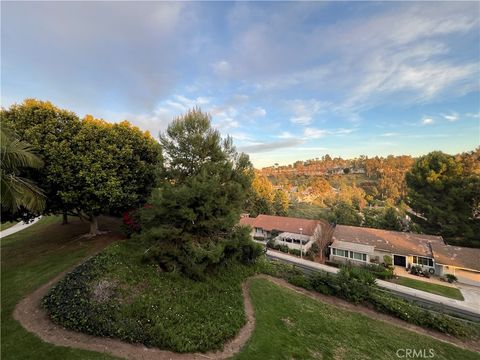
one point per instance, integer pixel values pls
(295, 233)
(360, 245)
(366, 245)
(462, 262)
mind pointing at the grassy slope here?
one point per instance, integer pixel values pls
(29, 259)
(292, 326)
(442, 290)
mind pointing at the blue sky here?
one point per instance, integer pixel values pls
(288, 81)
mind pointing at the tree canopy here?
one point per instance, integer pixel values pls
(200, 196)
(446, 193)
(91, 167)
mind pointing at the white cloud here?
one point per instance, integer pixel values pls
(427, 121)
(305, 110)
(312, 133)
(259, 112)
(285, 135)
(389, 134)
(473, 115)
(222, 68)
(453, 116)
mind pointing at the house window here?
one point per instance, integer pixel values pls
(423, 261)
(339, 252)
(358, 256)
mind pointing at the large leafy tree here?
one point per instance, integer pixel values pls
(49, 130)
(91, 167)
(114, 168)
(202, 187)
(446, 193)
(20, 196)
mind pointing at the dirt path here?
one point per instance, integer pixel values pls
(33, 318)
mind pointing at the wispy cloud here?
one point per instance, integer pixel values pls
(270, 146)
(427, 121)
(303, 111)
(312, 133)
(453, 116)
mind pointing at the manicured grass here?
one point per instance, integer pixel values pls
(437, 289)
(6, 225)
(293, 326)
(29, 259)
(118, 295)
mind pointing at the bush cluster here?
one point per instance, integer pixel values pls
(357, 285)
(380, 271)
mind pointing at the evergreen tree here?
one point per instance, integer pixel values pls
(202, 187)
(442, 190)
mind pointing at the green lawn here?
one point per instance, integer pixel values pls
(292, 326)
(437, 289)
(29, 259)
(5, 226)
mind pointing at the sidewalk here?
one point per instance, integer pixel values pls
(17, 227)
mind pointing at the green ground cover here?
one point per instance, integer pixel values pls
(118, 295)
(292, 326)
(437, 289)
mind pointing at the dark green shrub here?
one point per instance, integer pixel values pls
(300, 280)
(451, 278)
(414, 314)
(323, 283)
(354, 284)
(283, 248)
(295, 252)
(380, 271)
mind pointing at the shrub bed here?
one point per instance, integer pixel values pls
(114, 294)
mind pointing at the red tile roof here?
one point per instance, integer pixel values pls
(282, 223)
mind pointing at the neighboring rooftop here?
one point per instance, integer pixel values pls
(468, 258)
(282, 223)
(400, 243)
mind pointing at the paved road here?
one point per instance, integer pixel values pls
(468, 309)
(17, 227)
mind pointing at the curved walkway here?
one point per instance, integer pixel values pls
(18, 227)
(33, 318)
